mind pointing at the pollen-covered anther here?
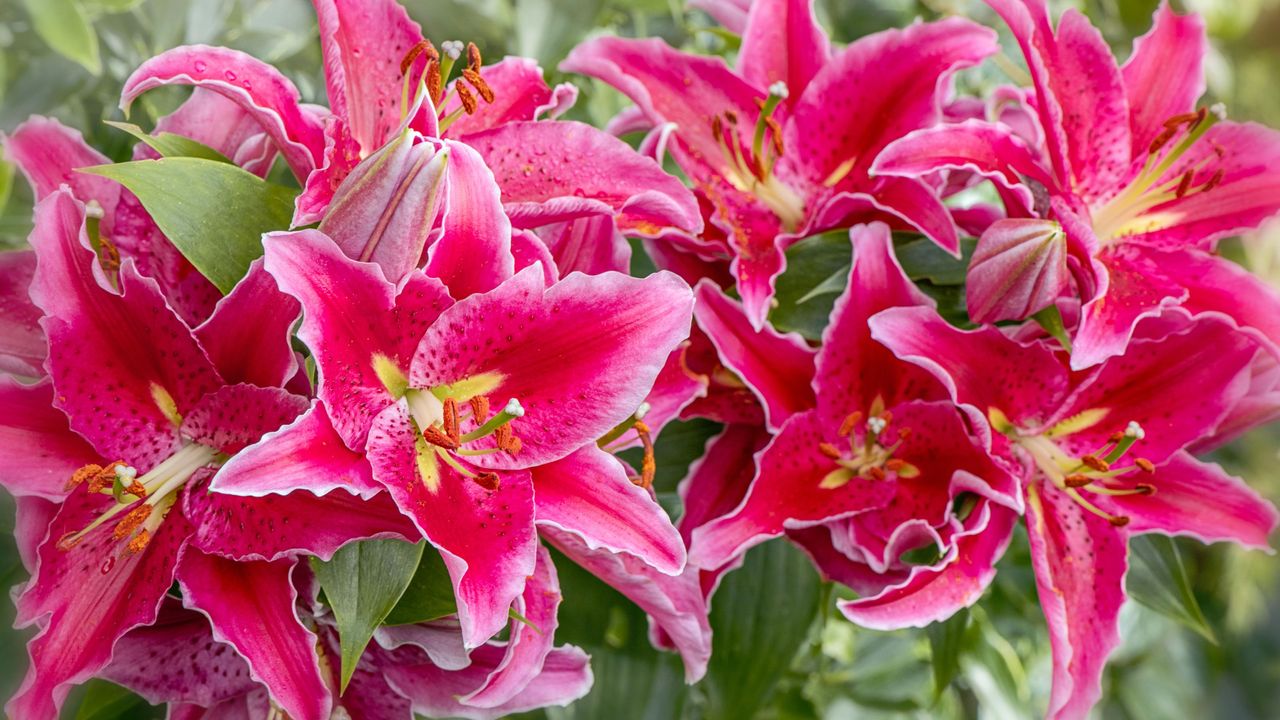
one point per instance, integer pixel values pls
(420, 48)
(904, 433)
(479, 407)
(437, 436)
(648, 462)
(138, 542)
(1145, 489)
(1077, 481)
(477, 82)
(80, 476)
(1118, 520)
(468, 100)
(850, 422)
(137, 489)
(829, 450)
(1184, 184)
(106, 477)
(132, 521)
(895, 465)
(1093, 462)
(875, 473)
(450, 410)
(1144, 465)
(488, 480)
(435, 82)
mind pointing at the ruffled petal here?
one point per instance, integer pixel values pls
(589, 495)
(782, 42)
(473, 252)
(519, 93)
(247, 337)
(1164, 75)
(38, 451)
(251, 606)
(22, 344)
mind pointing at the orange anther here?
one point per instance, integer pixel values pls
(477, 82)
(876, 473)
(422, 46)
(132, 521)
(1185, 183)
(1118, 520)
(488, 480)
(435, 82)
(850, 423)
(473, 57)
(437, 436)
(1213, 181)
(1077, 481)
(451, 420)
(1145, 465)
(139, 542)
(648, 463)
(468, 100)
(904, 433)
(1095, 463)
(1162, 139)
(1146, 489)
(479, 408)
(84, 473)
(829, 450)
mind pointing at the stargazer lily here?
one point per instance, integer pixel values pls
(1133, 189)
(1103, 456)
(144, 408)
(877, 464)
(480, 417)
(558, 177)
(781, 147)
(419, 668)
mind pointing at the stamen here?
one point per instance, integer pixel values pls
(479, 407)
(473, 57)
(1095, 463)
(829, 450)
(1076, 481)
(435, 82)
(451, 419)
(132, 521)
(1213, 181)
(138, 542)
(876, 473)
(477, 82)
(850, 422)
(79, 476)
(649, 462)
(422, 46)
(1144, 465)
(488, 480)
(468, 100)
(1184, 184)
(1116, 520)
(438, 437)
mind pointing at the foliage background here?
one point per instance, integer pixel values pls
(781, 650)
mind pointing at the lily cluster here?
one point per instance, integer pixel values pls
(447, 346)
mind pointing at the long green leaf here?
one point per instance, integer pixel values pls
(429, 595)
(106, 701)
(171, 144)
(946, 639)
(1158, 579)
(817, 270)
(760, 619)
(362, 583)
(215, 213)
(63, 25)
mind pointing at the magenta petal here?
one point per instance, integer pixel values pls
(385, 209)
(307, 454)
(33, 516)
(48, 153)
(718, 480)
(981, 369)
(579, 165)
(177, 659)
(364, 44)
(37, 450)
(146, 363)
(935, 593)
(852, 369)
(247, 337)
(310, 267)
(235, 416)
(487, 537)
(875, 91)
(1134, 287)
(473, 253)
(1165, 74)
(215, 120)
(529, 644)
(674, 604)
(732, 14)
(671, 86)
(1018, 269)
(256, 86)
(589, 495)
(579, 356)
(1080, 561)
(782, 42)
(1200, 500)
(519, 93)
(251, 607)
(778, 367)
(906, 202)
(1217, 285)
(22, 344)
(787, 492)
(1211, 355)
(86, 598)
(590, 244)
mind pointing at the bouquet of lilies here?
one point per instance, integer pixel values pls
(301, 443)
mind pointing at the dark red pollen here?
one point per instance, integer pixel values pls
(488, 480)
(1077, 481)
(438, 437)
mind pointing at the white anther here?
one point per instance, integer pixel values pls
(876, 425)
(642, 410)
(125, 473)
(779, 90)
(514, 408)
(1135, 431)
(452, 48)
(1219, 110)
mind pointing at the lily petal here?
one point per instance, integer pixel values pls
(258, 88)
(579, 356)
(519, 93)
(247, 337)
(486, 537)
(251, 606)
(782, 42)
(1165, 74)
(38, 451)
(778, 367)
(22, 344)
(589, 495)
(473, 253)
(48, 153)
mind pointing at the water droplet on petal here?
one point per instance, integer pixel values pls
(107, 564)
(201, 66)
(230, 75)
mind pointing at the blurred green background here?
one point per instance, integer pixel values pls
(781, 651)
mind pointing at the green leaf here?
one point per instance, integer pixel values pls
(6, 183)
(1158, 579)
(632, 679)
(945, 642)
(63, 25)
(760, 619)
(429, 595)
(171, 144)
(213, 212)
(106, 701)
(1050, 319)
(363, 583)
(922, 259)
(804, 296)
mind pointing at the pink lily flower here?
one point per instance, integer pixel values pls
(181, 660)
(1132, 192)
(376, 63)
(148, 408)
(480, 416)
(873, 465)
(781, 148)
(1103, 456)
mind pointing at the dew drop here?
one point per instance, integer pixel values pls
(230, 75)
(201, 66)
(107, 564)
